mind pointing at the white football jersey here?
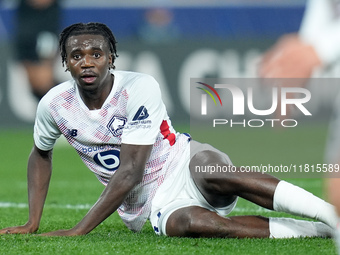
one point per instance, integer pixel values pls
(133, 113)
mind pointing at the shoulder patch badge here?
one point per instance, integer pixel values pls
(141, 114)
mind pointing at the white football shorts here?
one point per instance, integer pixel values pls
(179, 190)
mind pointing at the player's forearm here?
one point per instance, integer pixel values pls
(126, 177)
(112, 197)
(38, 178)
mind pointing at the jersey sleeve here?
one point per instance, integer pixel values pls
(46, 131)
(145, 112)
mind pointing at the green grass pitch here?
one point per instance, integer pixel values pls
(74, 189)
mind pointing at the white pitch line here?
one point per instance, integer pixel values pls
(12, 205)
(25, 205)
(88, 206)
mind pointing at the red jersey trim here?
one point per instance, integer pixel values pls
(165, 131)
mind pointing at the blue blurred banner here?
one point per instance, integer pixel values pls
(193, 22)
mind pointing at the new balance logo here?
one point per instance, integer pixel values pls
(72, 132)
(141, 114)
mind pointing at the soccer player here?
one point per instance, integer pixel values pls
(119, 126)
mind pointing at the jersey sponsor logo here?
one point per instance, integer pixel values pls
(116, 125)
(89, 149)
(141, 114)
(108, 159)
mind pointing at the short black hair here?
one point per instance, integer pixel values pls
(87, 28)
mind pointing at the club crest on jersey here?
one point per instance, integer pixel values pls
(141, 114)
(116, 125)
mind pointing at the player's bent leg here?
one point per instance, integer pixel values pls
(264, 190)
(196, 221)
(220, 187)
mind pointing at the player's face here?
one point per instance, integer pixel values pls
(88, 59)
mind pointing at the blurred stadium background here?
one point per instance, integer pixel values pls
(215, 38)
(211, 38)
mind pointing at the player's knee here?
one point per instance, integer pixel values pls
(178, 223)
(186, 222)
(214, 176)
(222, 184)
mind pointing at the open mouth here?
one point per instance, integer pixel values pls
(89, 78)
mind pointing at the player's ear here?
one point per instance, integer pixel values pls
(67, 67)
(111, 60)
